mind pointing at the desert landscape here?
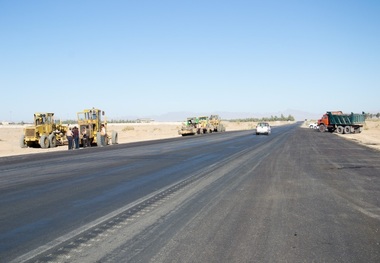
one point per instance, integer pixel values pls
(134, 132)
(370, 136)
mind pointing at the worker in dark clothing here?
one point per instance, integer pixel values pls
(76, 137)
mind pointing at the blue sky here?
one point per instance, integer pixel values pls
(145, 58)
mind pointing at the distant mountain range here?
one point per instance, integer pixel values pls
(182, 115)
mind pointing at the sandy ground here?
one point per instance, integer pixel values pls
(133, 132)
(370, 136)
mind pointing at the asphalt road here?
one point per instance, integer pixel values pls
(296, 195)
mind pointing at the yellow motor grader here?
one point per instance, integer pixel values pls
(44, 133)
(90, 124)
(204, 124)
(216, 124)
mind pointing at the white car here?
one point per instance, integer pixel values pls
(263, 128)
(313, 125)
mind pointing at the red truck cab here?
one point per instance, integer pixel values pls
(325, 119)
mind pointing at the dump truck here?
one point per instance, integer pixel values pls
(337, 121)
(44, 133)
(190, 127)
(215, 123)
(90, 123)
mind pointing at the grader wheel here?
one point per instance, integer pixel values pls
(44, 142)
(98, 139)
(52, 141)
(22, 142)
(114, 137)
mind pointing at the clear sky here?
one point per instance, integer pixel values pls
(143, 58)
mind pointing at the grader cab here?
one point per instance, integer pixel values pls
(90, 123)
(44, 133)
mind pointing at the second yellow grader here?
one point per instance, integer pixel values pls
(90, 121)
(45, 132)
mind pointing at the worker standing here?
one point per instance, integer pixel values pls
(76, 137)
(69, 135)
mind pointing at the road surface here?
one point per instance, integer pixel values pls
(296, 195)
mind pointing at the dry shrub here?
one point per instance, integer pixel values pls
(128, 128)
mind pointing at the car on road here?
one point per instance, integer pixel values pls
(313, 125)
(263, 128)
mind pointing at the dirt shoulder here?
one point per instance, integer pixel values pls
(370, 136)
(133, 132)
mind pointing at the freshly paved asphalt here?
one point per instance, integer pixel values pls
(296, 195)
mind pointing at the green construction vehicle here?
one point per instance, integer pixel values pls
(190, 127)
(202, 125)
(44, 133)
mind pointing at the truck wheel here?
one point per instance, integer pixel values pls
(114, 137)
(347, 129)
(322, 128)
(358, 130)
(44, 142)
(340, 130)
(22, 141)
(52, 141)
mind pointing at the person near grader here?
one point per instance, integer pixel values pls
(76, 137)
(69, 135)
